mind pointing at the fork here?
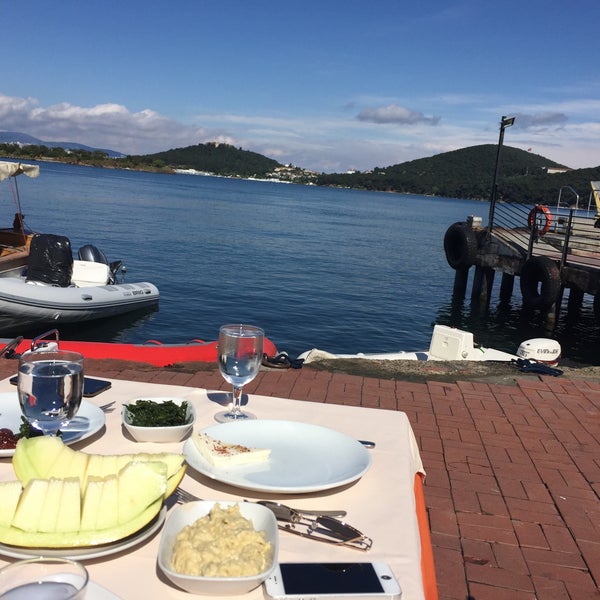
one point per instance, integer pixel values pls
(108, 407)
(182, 496)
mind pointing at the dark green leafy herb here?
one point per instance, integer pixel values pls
(147, 413)
(27, 430)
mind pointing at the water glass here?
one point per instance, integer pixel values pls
(50, 386)
(43, 578)
(240, 351)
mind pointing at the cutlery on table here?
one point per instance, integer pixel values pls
(282, 512)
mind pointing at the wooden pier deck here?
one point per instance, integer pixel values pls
(566, 256)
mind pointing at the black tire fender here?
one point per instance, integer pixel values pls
(597, 305)
(540, 282)
(460, 246)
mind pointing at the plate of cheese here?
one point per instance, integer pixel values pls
(284, 457)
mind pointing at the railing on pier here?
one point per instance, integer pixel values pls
(567, 235)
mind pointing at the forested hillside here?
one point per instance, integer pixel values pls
(219, 159)
(469, 172)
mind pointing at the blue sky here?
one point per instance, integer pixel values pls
(327, 85)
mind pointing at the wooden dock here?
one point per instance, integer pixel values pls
(549, 253)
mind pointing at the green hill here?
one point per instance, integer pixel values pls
(219, 159)
(469, 172)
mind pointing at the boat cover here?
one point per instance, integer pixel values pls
(12, 169)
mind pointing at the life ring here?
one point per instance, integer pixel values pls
(540, 209)
(540, 282)
(460, 246)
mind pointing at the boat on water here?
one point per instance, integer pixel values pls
(153, 352)
(42, 284)
(450, 344)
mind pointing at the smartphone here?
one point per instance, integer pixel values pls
(332, 581)
(91, 386)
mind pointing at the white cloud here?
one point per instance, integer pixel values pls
(392, 113)
(327, 142)
(110, 126)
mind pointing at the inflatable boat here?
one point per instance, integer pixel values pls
(450, 344)
(41, 283)
(152, 351)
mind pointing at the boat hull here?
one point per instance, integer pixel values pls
(152, 352)
(25, 305)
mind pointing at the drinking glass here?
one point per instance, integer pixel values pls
(240, 351)
(50, 386)
(43, 578)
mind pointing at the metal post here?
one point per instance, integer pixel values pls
(504, 123)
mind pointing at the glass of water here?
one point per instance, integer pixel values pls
(50, 386)
(240, 351)
(43, 578)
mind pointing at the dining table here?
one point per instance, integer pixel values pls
(385, 502)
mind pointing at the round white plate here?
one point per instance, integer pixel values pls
(304, 458)
(90, 552)
(88, 420)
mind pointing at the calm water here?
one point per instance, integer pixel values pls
(340, 270)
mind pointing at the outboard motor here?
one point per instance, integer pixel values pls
(93, 254)
(543, 350)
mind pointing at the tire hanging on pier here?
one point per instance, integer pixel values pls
(540, 282)
(460, 246)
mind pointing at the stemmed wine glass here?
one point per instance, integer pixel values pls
(240, 353)
(50, 386)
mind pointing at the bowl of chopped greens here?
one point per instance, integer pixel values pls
(158, 419)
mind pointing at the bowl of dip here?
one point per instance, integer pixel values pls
(219, 547)
(158, 419)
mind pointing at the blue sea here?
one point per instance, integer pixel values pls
(340, 270)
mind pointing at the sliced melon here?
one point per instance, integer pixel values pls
(17, 537)
(108, 517)
(31, 504)
(48, 512)
(92, 502)
(69, 511)
(10, 492)
(135, 478)
(31, 461)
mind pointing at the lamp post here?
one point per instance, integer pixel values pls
(504, 123)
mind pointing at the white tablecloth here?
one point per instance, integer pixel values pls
(381, 504)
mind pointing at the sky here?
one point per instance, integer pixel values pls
(328, 85)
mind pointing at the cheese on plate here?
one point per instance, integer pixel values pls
(221, 454)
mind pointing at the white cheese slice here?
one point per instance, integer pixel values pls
(221, 454)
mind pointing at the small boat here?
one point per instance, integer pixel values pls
(41, 283)
(152, 351)
(449, 344)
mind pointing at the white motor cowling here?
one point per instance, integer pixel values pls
(542, 350)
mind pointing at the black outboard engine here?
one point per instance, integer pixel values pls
(93, 254)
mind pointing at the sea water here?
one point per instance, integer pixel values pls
(341, 270)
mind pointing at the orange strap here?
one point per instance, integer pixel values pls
(427, 565)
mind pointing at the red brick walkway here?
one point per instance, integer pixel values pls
(513, 471)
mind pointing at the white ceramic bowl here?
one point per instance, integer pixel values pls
(262, 519)
(174, 433)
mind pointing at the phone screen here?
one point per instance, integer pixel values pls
(91, 386)
(330, 578)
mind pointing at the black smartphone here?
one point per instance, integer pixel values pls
(91, 386)
(340, 581)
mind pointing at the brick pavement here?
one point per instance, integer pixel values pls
(513, 471)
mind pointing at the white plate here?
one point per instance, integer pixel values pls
(90, 552)
(88, 420)
(304, 458)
